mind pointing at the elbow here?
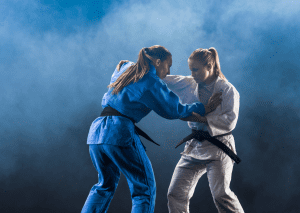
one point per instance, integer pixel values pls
(231, 126)
(230, 122)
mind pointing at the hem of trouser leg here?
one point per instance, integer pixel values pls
(139, 154)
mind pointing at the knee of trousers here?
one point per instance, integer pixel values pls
(173, 195)
(227, 194)
(177, 190)
(109, 187)
(112, 188)
(177, 203)
(146, 191)
(141, 200)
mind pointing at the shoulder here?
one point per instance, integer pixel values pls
(225, 85)
(117, 73)
(125, 65)
(122, 67)
(150, 77)
(149, 82)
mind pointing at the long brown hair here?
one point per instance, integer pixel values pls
(137, 71)
(208, 57)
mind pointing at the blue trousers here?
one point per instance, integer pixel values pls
(132, 161)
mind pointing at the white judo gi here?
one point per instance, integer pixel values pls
(201, 157)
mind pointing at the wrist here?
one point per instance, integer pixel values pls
(206, 109)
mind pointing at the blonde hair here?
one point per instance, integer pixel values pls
(137, 71)
(208, 57)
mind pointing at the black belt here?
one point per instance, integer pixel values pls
(109, 111)
(202, 135)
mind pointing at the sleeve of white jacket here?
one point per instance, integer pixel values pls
(176, 83)
(224, 118)
(180, 85)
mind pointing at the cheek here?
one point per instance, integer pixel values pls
(199, 74)
(203, 74)
(167, 69)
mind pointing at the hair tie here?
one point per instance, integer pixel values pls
(145, 49)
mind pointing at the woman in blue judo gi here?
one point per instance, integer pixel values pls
(114, 144)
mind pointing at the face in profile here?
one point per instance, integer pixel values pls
(163, 68)
(200, 73)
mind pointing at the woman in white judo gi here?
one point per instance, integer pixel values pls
(201, 157)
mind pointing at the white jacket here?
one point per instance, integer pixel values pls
(220, 121)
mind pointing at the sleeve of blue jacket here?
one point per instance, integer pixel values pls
(165, 103)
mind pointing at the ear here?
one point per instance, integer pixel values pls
(157, 62)
(209, 67)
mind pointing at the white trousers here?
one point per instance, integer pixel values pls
(186, 175)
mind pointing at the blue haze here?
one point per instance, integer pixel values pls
(56, 61)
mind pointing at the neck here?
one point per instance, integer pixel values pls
(209, 80)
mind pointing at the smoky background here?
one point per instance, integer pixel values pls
(56, 61)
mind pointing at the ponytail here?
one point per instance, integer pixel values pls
(134, 73)
(137, 71)
(217, 67)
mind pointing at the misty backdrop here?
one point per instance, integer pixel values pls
(56, 60)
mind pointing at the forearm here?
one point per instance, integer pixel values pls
(167, 104)
(194, 118)
(225, 118)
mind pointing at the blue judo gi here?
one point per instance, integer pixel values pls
(115, 147)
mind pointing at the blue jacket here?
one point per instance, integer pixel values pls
(136, 100)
